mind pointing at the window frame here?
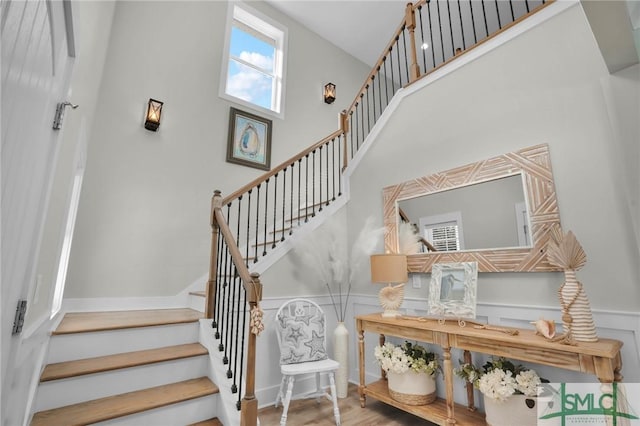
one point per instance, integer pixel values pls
(428, 223)
(266, 29)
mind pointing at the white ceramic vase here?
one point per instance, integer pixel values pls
(412, 388)
(514, 411)
(341, 354)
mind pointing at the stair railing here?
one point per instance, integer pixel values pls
(265, 212)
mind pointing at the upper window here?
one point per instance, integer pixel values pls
(443, 231)
(253, 69)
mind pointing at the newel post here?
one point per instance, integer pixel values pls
(344, 128)
(410, 24)
(216, 203)
(249, 406)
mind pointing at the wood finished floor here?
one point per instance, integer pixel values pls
(310, 412)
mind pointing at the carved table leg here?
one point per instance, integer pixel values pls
(381, 340)
(361, 363)
(470, 400)
(448, 382)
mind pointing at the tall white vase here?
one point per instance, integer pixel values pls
(341, 354)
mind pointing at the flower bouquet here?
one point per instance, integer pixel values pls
(509, 390)
(411, 372)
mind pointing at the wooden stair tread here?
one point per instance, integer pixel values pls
(125, 404)
(80, 322)
(198, 293)
(210, 422)
(62, 370)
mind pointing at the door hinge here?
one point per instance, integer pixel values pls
(19, 319)
(57, 119)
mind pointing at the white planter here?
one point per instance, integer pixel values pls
(412, 388)
(513, 411)
(341, 354)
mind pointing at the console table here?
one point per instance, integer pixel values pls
(601, 358)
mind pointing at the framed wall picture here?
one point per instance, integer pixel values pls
(452, 292)
(249, 141)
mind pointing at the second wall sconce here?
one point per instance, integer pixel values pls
(152, 118)
(329, 93)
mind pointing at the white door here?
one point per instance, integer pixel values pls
(37, 59)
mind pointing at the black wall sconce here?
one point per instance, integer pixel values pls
(329, 93)
(152, 119)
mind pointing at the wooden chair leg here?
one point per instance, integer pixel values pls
(334, 398)
(287, 400)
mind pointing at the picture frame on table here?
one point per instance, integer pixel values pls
(453, 289)
(249, 142)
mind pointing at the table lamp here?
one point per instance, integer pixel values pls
(390, 269)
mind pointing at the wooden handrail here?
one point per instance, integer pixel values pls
(279, 168)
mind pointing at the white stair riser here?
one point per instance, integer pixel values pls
(197, 303)
(58, 393)
(183, 413)
(67, 347)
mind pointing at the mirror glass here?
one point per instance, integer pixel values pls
(476, 195)
(486, 215)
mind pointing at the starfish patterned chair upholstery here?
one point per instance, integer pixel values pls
(300, 326)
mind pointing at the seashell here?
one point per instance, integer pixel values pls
(391, 296)
(545, 327)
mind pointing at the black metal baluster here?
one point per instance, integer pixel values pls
(484, 15)
(230, 346)
(368, 112)
(244, 333)
(453, 49)
(380, 89)
(238, 350)
(526, 3)
(319, 177)
(440, 26)
(306, 189)
(333, 175)
(433, 49)
(266, 210)
(299, 185)
(351, 131)
(399, 66)
(255, 257)
(362, 116)
(373, 88)
(424, 56)
(275, 202)
(313, 181)
(248, 227)
(326, 167)
(406, 56)
(386, 81)
(357, 127)
(219, 286)
(513, 16)
(284, 199)
(464, 44)
(498, 13)
(340, 167)
(393, 84)
(473, 22)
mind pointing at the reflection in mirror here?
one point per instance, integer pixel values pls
(485, 215)
(537, 221)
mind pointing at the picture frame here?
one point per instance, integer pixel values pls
(249, 142)
(453, 289)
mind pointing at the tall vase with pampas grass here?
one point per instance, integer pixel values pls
(326, 257)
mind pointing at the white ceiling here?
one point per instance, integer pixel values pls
(361, 28)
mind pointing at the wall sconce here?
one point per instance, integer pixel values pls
(152, 119)
(329, 93)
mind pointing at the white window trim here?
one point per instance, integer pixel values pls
(430, 221)
(246, 14)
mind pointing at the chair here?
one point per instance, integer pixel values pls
(300, 325)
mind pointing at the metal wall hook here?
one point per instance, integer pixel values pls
(57, 119)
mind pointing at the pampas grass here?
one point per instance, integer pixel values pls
(325, 256)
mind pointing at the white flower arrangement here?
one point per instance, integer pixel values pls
(400, 359)
(500, 378)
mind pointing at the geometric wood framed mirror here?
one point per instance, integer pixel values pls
(463, 193)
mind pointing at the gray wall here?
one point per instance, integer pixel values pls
(143, 222)
(546, 86)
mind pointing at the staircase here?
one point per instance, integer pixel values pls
(127, 368)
